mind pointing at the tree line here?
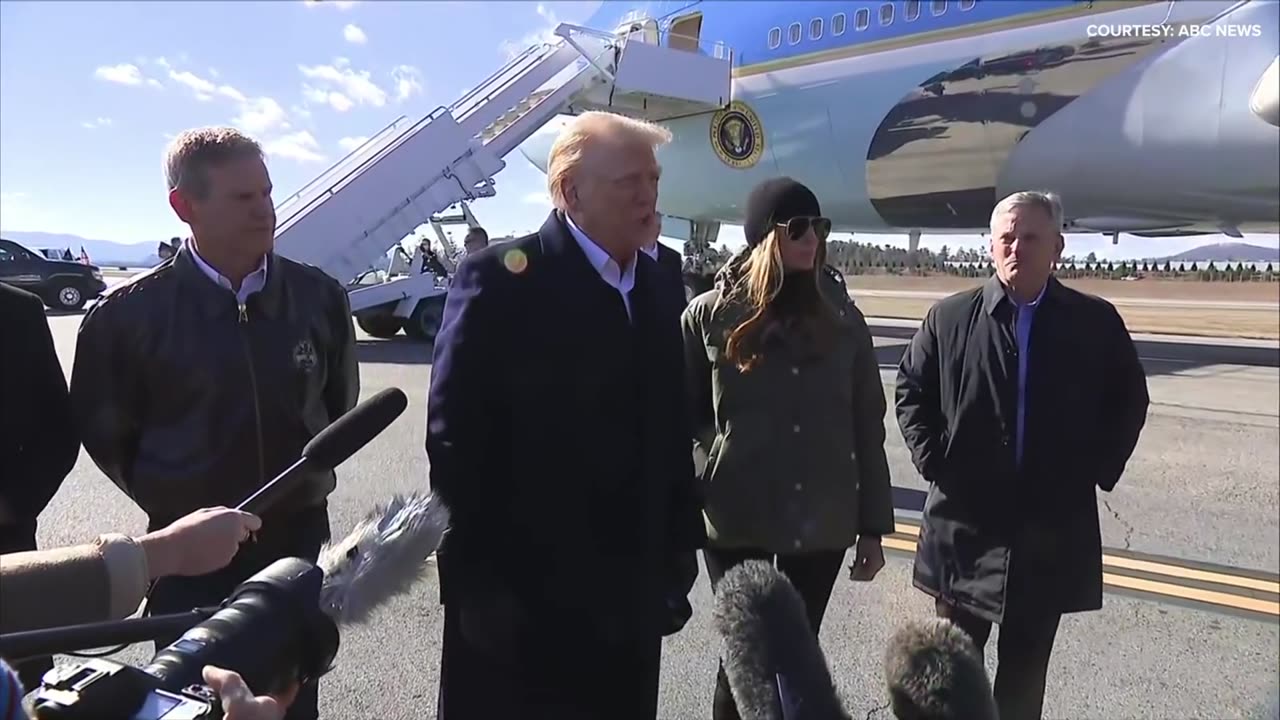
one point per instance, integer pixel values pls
(855, 258)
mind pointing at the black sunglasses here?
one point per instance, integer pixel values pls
(796, 227)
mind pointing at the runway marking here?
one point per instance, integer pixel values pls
(1250, 592)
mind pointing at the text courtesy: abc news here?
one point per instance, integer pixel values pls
(1142, 30)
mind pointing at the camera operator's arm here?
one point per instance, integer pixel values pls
(105, 580)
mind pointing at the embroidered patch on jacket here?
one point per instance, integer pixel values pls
(304, 356)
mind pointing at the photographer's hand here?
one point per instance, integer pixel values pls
(240, 704)
(199, 543)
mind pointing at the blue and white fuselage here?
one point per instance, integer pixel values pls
(920, 115)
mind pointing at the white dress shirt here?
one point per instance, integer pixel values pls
(252, 283)
(621, 280)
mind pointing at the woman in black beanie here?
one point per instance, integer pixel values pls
(788, 410)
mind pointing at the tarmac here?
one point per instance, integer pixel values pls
(1190, 627)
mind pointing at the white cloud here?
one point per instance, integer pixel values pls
(354, 35)
(408, 82)
(204, 89)
(354, 84)
(544, 35)
(332, 98)
(96, 123)
(124, 74)
(351, 143)
(300, 146)
(537, 198)
(261, 115)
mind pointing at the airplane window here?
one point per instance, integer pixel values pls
(886, 14)
(775, 38)
(912, 10)
(837, 24)
(794, 33)
(862, 19)
(967, 4)
(939, 6)
(815, 28)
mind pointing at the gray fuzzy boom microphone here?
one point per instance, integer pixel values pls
(774, 665)
(382, 557)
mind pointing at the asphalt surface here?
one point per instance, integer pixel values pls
(1203, 486)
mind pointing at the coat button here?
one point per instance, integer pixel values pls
(795, 428)
(795, 371)
(799, 486)
(796, 544)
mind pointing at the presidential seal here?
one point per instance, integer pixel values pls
(737, 136)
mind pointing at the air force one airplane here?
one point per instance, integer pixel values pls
(1151, 118)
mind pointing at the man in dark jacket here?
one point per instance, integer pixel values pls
(38, 441)
(574, 520)
(671, 264)
(197, 382)
(1016, 400)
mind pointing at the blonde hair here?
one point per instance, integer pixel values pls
(759, 283)
(188, 158)
(570, 147)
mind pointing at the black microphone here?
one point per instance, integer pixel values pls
(332, 446)
(934, 672)
(775, 668)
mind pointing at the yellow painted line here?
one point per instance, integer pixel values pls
(1211, 597)
(1192, 574)
(897, 544)
(1270, 607)
(952, 33)
(1178, 571)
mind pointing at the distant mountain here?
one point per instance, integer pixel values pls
(1227, 252)
(103, 253)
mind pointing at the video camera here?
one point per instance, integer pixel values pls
(271, 630)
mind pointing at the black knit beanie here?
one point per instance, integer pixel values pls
(775, 201)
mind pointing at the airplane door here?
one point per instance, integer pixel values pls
(684, 32)
(645, 31)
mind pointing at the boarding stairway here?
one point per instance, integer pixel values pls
(349, 217)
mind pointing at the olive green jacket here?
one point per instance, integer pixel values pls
(790, 455)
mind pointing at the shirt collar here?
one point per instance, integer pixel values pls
(252, 282)
(651, 251)
(993, 293)
(600, 260)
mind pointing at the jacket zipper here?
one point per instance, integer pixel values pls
(253, 384)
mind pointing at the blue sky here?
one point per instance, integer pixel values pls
(90, 93)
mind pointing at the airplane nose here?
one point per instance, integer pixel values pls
(538, 146)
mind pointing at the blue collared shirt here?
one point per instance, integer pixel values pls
(1025, 315)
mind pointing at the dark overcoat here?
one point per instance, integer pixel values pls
(997, 536)
(557, 436)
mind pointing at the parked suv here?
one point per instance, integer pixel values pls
(63, 285)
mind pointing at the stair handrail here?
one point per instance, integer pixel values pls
(510, 63)
(500, 81)
(566, 31)
(343, 160)
(281, 225)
